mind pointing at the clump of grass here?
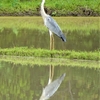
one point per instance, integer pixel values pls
(24, 51)
(64, 6)
(23, 60)
(36, 23)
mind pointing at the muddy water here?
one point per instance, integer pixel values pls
(25, 82)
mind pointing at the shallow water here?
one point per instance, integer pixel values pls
(25, 82)
(31, 33)
(24, 78)
(32, 38)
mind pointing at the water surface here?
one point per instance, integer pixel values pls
(82, 34)
(25, 82)
(25, 78)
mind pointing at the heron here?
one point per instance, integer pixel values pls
(51, 88)
(52, 25)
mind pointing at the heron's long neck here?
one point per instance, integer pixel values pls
(42, 9)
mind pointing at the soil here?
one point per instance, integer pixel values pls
(78, 12)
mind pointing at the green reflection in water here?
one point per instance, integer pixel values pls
(76, 39)
(82, 33)
(25, 82)
(50, 61)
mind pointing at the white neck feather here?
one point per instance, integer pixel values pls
(42, 9)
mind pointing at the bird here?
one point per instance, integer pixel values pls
(51, 88)
(51, 24)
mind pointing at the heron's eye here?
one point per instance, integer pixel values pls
(48, 19)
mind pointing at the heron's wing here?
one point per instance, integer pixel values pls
(54, 27)
(50, 89)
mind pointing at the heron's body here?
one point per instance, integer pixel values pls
(51, 24)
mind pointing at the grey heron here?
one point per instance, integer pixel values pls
(52, 25)
(51, 88)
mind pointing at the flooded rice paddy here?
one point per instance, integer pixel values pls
(82, 33)
(25, 81)
(23, 78)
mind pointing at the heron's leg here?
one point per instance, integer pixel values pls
(51, 68)
(51, 40)
(51, 73)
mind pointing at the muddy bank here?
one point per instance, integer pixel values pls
(81, 11)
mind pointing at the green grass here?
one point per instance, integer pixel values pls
(41, 61)
(63, 6)
(24, 51)
(36, 23)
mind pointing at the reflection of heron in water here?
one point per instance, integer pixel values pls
(51, 88)
(52, 25)
(51, 73)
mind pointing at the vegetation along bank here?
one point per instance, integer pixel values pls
(24, 51)
(52, 7)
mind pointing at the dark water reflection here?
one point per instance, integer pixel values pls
(34, 38)
(25, 82)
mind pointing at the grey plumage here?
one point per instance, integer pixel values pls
(51, 88)
(51, 24)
